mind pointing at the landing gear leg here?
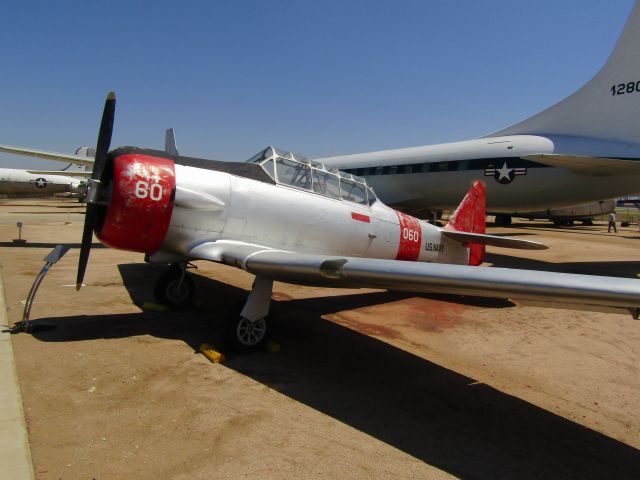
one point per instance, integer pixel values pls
(247, 328)
(175, 287)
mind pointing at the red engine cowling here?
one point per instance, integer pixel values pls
(139, 211)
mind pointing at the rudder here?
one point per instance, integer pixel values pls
(470, 216)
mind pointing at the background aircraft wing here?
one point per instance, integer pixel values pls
(64, 173)
(586, 165)
(59, 157)
(562, 290)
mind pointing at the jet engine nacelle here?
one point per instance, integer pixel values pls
(78, 189)
(140, 202)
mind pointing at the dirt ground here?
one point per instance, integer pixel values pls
(368, 384)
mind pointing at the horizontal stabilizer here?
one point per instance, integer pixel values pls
(586, 165)
(59, 157)
(493, 240)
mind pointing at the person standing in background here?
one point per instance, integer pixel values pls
(612, 222)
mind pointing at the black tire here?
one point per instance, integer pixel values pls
(562, 222)
(244, 336)
(168, 289)
(502, 220)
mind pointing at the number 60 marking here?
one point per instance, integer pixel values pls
(144, 190)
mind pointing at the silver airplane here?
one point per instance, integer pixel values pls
(38, 183)
(283, 217)
(583, 149)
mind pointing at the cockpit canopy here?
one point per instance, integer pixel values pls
(299, 172)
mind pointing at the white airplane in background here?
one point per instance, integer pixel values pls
(567, 216)
(37, 183)
(71, 179)
(583, 149)
(285, 218)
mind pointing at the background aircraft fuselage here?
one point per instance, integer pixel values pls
(22, 183)
(434, 177)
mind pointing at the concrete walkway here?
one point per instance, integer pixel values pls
(15, 456)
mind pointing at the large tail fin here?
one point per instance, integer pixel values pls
(470, 216)
(606, 107)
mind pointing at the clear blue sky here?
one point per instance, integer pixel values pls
(315, 77)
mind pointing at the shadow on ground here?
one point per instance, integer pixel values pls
(613, 269)
(432, 413)
(48, 245)
(574, 229)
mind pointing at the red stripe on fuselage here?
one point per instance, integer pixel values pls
(360, 217)
(410, 237)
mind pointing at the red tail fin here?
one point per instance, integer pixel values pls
(470, 216)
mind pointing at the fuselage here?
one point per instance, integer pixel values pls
(167, 205)
(19, 182)
(284, 217)
(434, 177)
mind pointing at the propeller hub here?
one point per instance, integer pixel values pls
(93, 187)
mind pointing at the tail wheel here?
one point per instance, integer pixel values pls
(174, 288)
(244, 335)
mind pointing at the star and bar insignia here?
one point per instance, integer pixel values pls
(40, 182)
(505, 174)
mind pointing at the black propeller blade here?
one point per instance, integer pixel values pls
(93, 188)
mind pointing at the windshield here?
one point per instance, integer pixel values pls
(296, 171)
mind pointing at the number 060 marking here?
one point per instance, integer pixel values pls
(144, 190)
(410, 235)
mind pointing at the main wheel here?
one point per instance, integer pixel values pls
(503, 220)
(173, 289)
(243, 335)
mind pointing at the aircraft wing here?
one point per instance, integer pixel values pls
(64, 173)
(60, 157)
(562, 290)
(586, 165)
